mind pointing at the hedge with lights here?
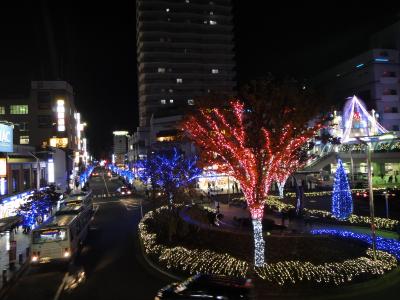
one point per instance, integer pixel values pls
(193, 261)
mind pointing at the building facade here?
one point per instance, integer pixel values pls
(373, 77)
(185, 51)
(47, 118)
(120, 147)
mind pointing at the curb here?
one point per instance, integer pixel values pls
(13, 279)
(152, 265)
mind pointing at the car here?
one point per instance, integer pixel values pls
(114, 177)
(203, 286)
(95, 174)
(124, 191)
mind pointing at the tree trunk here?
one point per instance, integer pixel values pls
(281, 186)
(259, 243)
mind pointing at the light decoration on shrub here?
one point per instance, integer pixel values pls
(192, 261)
(342, 202)
(251, 154)
(380, 223)
(391, 246)
(335, 272)
(286, 272)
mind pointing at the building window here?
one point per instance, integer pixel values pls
(214, 71)
(190, 102)
(212, 22)
(161, 70)
(171, 90)
(24, 139)
(389, 74)
(171, 100)
(19, 109)
(388, 92)
(163, 101)
(45, 121)
(2, 110)
(44, 100)
(167, 9)
(179, 80)
(23, 126)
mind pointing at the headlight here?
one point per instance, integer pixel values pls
(35, 258)
(67, 254)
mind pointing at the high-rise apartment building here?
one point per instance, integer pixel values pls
(184, 51)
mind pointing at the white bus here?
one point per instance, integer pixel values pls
(61, 236)
(82, 198)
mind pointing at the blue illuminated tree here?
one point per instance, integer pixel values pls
(170, 171)
(342, 201)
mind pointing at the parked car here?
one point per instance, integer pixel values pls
(203, 286)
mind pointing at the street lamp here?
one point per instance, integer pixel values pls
(367, 141)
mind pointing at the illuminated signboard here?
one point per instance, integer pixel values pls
(3, 167)
(6, 138)
(59, 142)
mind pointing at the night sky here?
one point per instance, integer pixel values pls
(93, 47)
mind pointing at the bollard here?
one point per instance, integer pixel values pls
(20, 259)
(4, 275)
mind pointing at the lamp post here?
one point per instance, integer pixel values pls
(367, 141)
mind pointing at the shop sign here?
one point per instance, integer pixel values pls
(6, 138)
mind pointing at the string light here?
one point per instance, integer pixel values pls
(391, 246)
(226, 141)
(169, 171)
(286, 272)
(342, 202)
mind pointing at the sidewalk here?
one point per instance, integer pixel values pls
(22, 243)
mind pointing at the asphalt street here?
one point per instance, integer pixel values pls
(108, 267)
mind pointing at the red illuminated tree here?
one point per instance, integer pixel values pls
(251, 143)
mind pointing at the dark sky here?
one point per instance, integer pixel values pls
(92, 45)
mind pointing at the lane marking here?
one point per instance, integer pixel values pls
(105, 184)
(60, 288)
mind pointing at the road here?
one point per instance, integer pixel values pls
(110, 261)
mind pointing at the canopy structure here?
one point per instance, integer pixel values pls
(358, 122)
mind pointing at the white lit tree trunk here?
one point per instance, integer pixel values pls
(281, 188)
(259, 243)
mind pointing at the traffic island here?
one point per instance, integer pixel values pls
(292, 260)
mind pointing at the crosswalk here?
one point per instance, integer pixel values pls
(105, 195)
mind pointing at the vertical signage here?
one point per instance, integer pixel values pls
(6, 138)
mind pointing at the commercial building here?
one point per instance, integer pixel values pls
(120, 147)
(47, 119)
(372, 76)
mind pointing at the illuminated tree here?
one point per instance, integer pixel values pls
(287, 167)
(170, 171)
(251, 142)
(342, 201)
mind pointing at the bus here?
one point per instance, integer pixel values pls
(82, 198)
(61, 236)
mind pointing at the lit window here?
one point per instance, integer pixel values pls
(161, 70)
(190, 101)
(214, 71)
(187, 1)
(61, 128)
(167, 9)
(170, 90)
(24, 139)
(171, 100)
(2, 110)
(179, 80)
(212, 22)
(19, 109)
(211, 13)
(205, 22)
(163, 101)
(61, 122)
